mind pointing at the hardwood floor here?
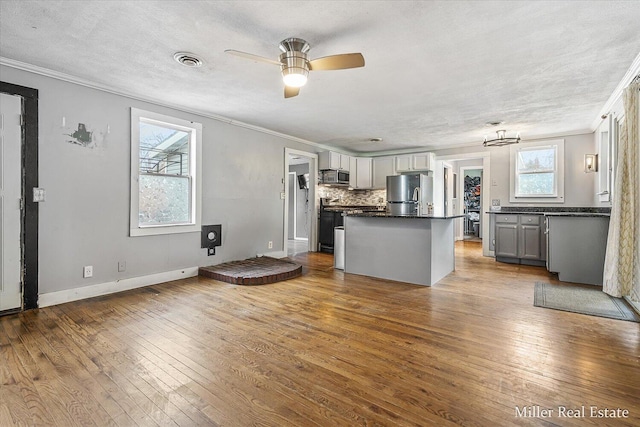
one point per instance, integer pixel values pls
(327, 349)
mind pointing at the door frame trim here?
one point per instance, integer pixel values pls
(313, 199)
(30, 180)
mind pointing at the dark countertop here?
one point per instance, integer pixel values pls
(554, 211)
(384, 214)
(342, 208)
(516, 212)
(582, 214)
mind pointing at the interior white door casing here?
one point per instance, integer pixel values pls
(10, 195)
(313, 201)
(486, 178)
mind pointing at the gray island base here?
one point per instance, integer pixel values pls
(411, 249)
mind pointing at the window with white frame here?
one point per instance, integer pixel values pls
(165, 174)
(537, 172)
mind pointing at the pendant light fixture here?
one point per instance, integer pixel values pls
(501, 137)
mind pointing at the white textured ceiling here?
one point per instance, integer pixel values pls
(435, 72)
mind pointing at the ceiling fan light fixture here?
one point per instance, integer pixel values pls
(294, 77)
(295, 68)
(295, 64)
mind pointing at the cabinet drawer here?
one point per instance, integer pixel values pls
(509, 219)
(530, 219)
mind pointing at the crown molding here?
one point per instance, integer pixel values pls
(105, 88)
(632, 73)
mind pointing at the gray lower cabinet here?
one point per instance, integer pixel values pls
(520, 239)
(577, 248)
(506, 240)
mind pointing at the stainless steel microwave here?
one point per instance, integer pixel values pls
(335, 177)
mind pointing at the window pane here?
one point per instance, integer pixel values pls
(543, 159)
(164, 200)
(163, 150)
(535, 184)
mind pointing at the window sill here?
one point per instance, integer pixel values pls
(164, 229)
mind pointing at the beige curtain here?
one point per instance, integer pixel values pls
(622, 262)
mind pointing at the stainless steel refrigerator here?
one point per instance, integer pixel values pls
(410, 194)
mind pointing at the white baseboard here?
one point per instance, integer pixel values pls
(68, 295)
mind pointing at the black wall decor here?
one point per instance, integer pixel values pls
(211, 237)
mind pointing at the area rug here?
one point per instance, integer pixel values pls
(253, 271)
(584, 300)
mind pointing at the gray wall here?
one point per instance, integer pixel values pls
(579, 187)
(85, 218)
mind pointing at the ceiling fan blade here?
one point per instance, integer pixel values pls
(251, 56)
(337, 62)
(290, 92)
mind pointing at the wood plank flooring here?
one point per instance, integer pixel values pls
(325, 349)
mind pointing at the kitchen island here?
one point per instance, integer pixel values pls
(416, 249)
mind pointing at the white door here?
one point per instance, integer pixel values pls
(10, 189)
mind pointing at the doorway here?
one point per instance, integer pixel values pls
(28, 217)
(300, 219)
(459, 163)
(299, 212)
(472, 203)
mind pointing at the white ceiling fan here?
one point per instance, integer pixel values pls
(295, 65)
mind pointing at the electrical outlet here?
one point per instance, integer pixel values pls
(122, 266)
(270, 245)
(88, 271)
(282, 195)
(495, 202)
(38, 195)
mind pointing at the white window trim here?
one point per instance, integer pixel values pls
(195, 159)
(559, 190)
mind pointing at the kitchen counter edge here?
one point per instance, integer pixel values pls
(580, 214)
(388, 215)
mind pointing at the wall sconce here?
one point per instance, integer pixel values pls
(590, 163)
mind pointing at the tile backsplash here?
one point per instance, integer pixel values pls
(343, 196)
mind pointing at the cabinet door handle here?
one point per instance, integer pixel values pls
(602, 193)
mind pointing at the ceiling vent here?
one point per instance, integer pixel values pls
(187, 59)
